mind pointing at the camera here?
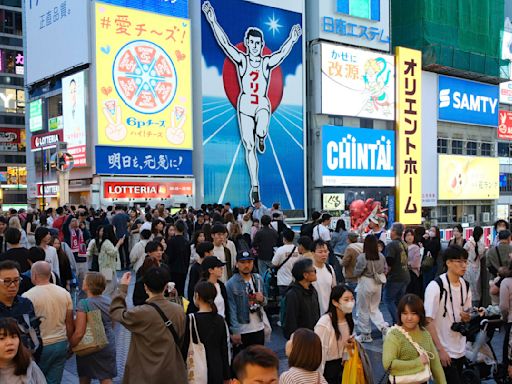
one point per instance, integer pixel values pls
(462, 328)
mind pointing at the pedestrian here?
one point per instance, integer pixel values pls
(321, 231)
(43, 239)
(14, 222)
(74, 236)
(121, 221)
(223, 249)
(211, 332)
(432, 244)
(336, 332)
(197, 238)
(154, 253)
(475, 248)
(339, 239)
(178, 257)
(370, 267)
(302, 308)
(399, 355)
(305, 247)
(16, 364)
(259, 210)
(138, 253)
(153, 356)
(256, 364)
(325, 276)
(284, 259)
(398, 276)
(66, 275)
(354, 249)
(505, 305)
(264, 242)
(58, 222)
(499, 225)
(414, 263)
(458, 236)
(100, 365)
(16, 251)
(3, 227)
(246, 301)
(204, 249)
(108, 257)
(498, 256)
(447, 302)
(306, 229)
(54, 305)
(304, 352)
(157, 228)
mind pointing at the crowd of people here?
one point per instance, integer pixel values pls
(206, 285)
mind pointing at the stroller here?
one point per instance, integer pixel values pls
(482, 363)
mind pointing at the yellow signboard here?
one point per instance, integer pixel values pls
(408, 131)
(468, 177)
(143, 79)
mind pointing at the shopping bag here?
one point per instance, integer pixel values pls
(95, 338)
(196, 357)
(353, 372)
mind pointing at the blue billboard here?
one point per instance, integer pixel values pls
(357, 157)
(469, 102)
(253, 121)
(143, 161)
(177, 8)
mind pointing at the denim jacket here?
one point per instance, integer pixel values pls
(238, 300)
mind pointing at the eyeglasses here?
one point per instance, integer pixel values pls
(9, 282)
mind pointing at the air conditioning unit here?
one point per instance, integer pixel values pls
(486, 217)
(464, 219)
(471, 219)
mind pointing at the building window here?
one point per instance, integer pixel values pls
(10, 22)
(471, 148)
(486, 149)
(457, 147)
(442, 146)
(366, 123)
(443, 214)
(503, 149)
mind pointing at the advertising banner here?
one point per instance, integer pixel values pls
(429, 135)
(35, 113)
(409, 133)
(12, 100)
(253, 120)
(333, 201)
(45, 140)
(51, 25)
(141, 189)
(143, 79)
(178, 8)
(506, 93)
(363, 23)
(505, 125)
(358, 157)
(10, 139)
(51, 189)
(143, 161)
(468, 178)
(357, 83)
(468, 102)
(73, 110)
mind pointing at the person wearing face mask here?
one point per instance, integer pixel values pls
(499, 225)
(432, 244)
(336, 332)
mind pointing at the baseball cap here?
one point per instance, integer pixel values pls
(244, 255)
(374, 220)
(211, 262)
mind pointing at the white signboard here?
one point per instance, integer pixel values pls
(57, 36)
(73, 111)
(357, 83)
(333, 201)
(506, 93)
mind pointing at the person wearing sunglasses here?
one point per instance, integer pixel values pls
(302, 308)
(19, 308)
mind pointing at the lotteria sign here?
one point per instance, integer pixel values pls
(358, 157)
(468, 102)
(46, 140)
(139, 189)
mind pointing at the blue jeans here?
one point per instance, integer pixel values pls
(53, 360)
(353, 287)
(393, 292)
(263, 265)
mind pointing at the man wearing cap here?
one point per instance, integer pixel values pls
(246, 301)
(348, 261)
(321, 231)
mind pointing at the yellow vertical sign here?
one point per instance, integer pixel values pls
(408, 131)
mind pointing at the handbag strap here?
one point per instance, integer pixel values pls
(193, 330)
(287, 258)
(167, 322)
(414, 344)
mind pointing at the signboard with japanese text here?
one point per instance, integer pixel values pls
(143, 79)
(55, 23)
(12, 61)
(35, 113)
(363, 23)
(506, 93)
(468, 102)
(178, 8)
(10, 139)
(505, 125)
(253, 120)
(146, 189)
(73, 111)
(45, 140)
(143, 161)
(364, 80)
(358, 157)
(333, 201)
(468, 177)
(409, 133)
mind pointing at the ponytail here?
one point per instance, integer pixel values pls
(213, 306)
(207, 292)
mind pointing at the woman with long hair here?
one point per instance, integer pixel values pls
(432, 245)
(413, 262)
(336, 332)
(211, 332)
(475, 247)
(399, 355)
(100, 365)
(16, 364)
(458, 236)
(196, 239)
(370, 268)
(108, 257)
(14, 222)
(93, 249)
(157, 228)
(30, 227)
(154, 251)
(66, 275)
(339, 238)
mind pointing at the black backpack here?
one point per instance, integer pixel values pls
(445, 293)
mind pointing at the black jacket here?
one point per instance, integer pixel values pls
(302, 308)
(178, 254)
(264, 241)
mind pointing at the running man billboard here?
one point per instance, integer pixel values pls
(253, 118)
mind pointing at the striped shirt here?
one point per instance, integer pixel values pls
(300, 376)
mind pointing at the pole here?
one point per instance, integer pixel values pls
(42, 177)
